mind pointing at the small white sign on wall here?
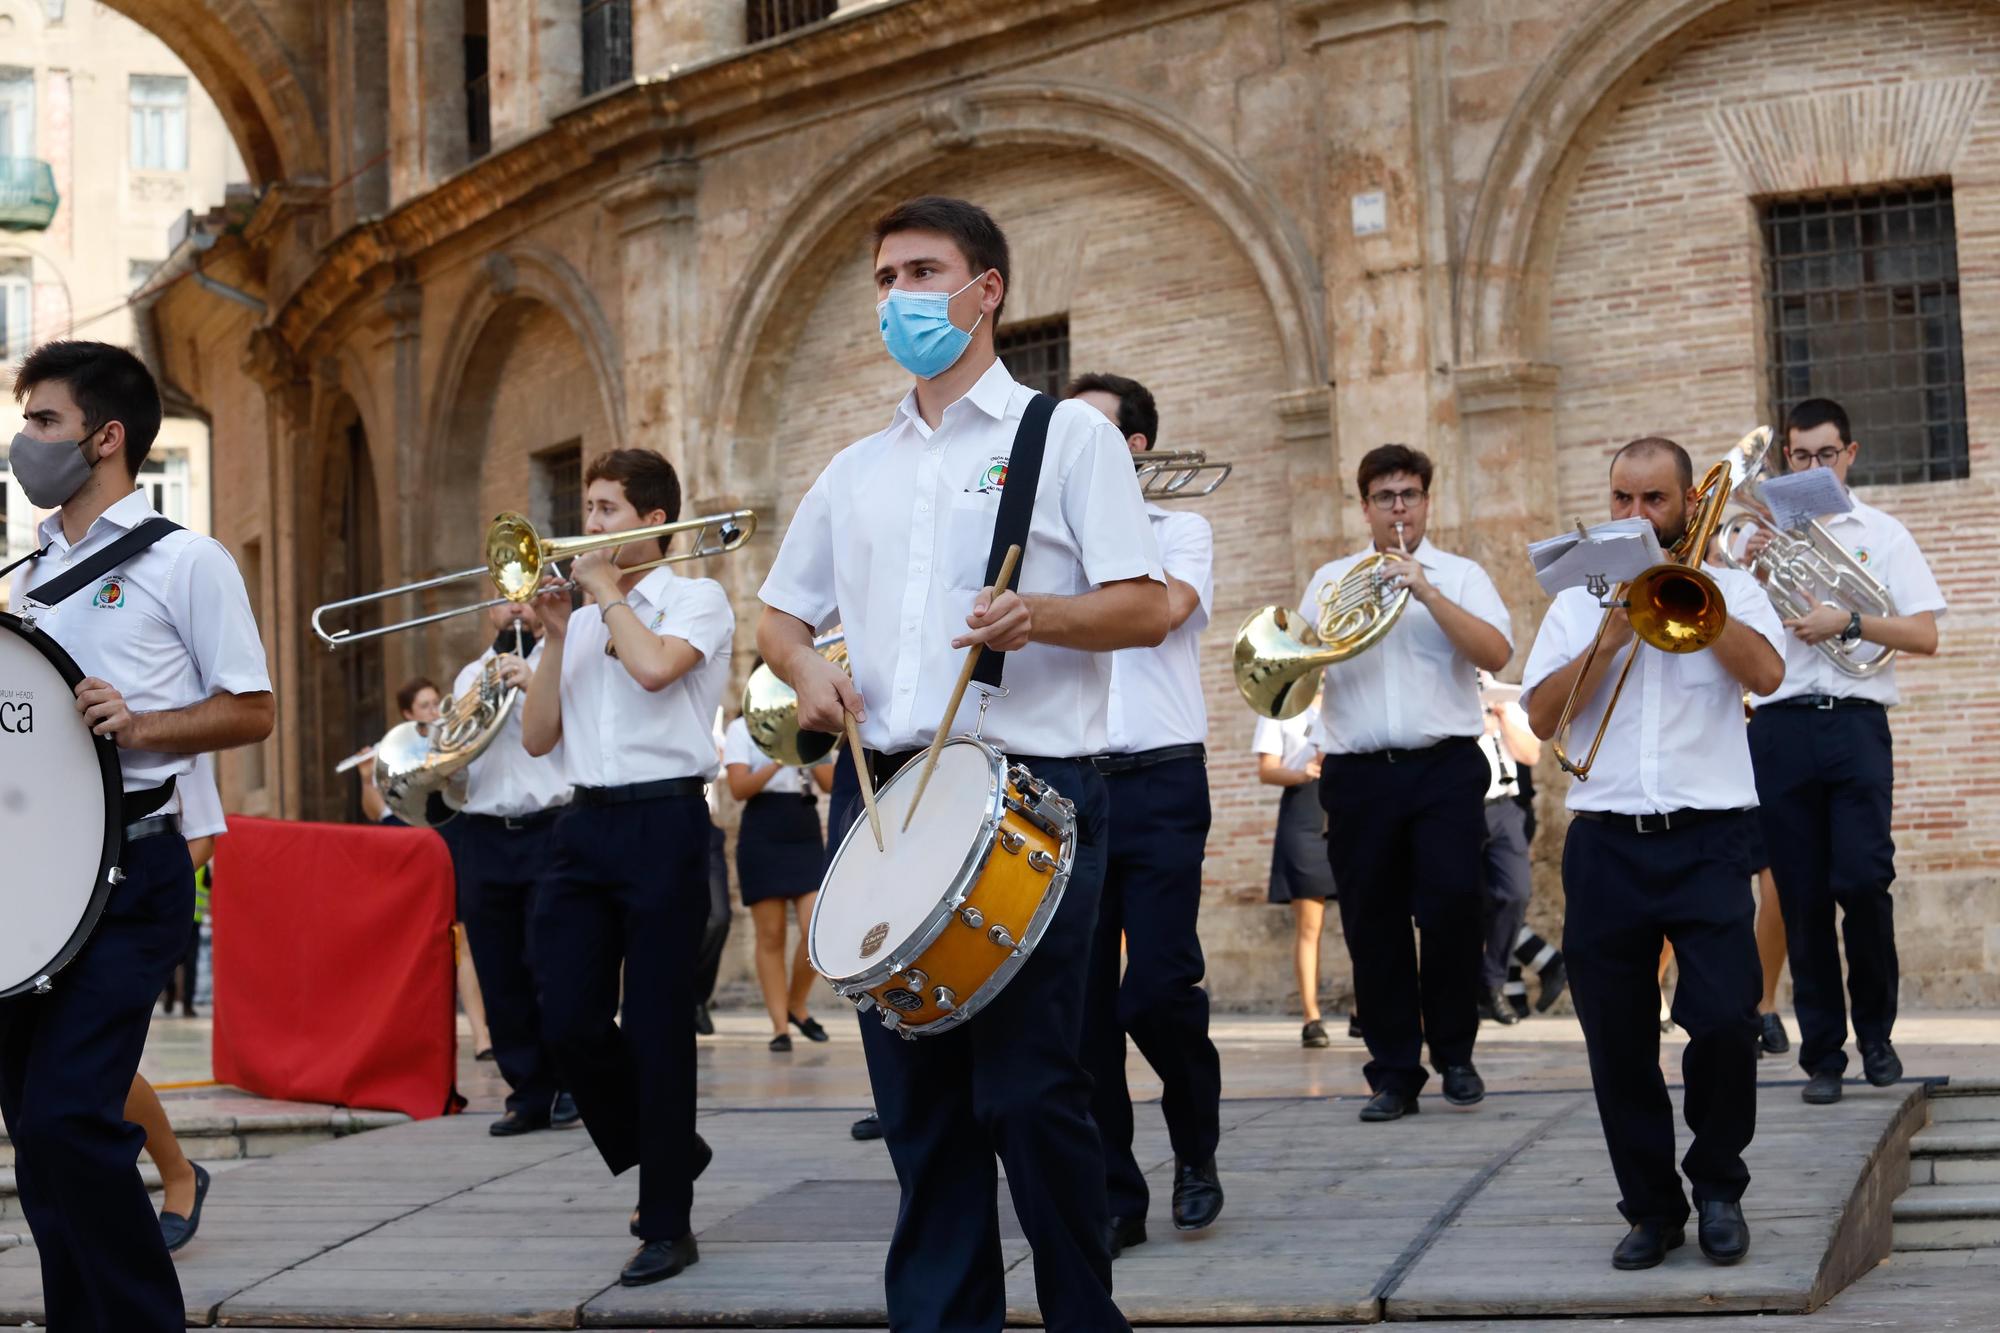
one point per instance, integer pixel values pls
(1371, 213)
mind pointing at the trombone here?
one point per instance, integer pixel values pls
(517, 556)
(1673, 606)
(1181, 475)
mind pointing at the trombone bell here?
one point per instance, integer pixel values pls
(1676, 609)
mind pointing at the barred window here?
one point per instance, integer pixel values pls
(607, 44)
(478, 97)
(556, 490)
(1037, 353)
(1861, 292)
(765, 19)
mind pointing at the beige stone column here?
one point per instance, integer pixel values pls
(426, 94)
(357, 112)
(685, 32)
(287, 421)
(652, 206)
(1507, 426)
(534, 60)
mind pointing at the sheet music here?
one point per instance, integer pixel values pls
(1617, 550)
(1797, 498)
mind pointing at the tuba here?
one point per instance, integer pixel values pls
(413, 763)
(1805, 567)
(771, 711)
(1276, 668)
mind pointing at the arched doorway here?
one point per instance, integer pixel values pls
(346, 690)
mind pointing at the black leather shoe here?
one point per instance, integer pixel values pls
(1771, 1034)
(1197, 1195)
(1821, 1090)
(1555, 980)
(658, 1260)
(809, 1026)
(1646, 1245)
(1497, 1008)
(867, 1127)
(564, 1115)
(176, 1230)
(1463, 1086)
(1124, 1233)
(1881, 1064)
(704, 1022)
(512, 1123)
(1388, 1105)
(1724, 1235)
(1313, 1036)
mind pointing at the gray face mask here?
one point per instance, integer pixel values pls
(50, 471)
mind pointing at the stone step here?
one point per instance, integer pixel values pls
(1971, 1086)
(1940, 1202)
(1962, 1109)
(1960, 1139)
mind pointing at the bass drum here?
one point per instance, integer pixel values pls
(61, 798)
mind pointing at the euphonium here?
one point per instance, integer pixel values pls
(1805, 567)
(1277, 669)
(416, 761)
(771, 710)
(1673, 606)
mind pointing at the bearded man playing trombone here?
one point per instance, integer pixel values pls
(1657, 850)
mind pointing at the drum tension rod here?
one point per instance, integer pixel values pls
(1012, 841)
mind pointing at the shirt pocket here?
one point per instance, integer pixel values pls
(970, 540)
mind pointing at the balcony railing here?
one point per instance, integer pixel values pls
(607, 44)
(28, 198)
(765, 19)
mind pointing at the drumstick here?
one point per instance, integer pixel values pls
(866, 779)
(957, 693)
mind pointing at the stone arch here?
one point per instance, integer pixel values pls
(1024, 114)
(244, 64)
(1502, 298)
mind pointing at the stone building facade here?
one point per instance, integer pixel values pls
(1510, 232)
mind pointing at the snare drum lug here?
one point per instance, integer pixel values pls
(116, 875)
(944, 998)
(891, 1019)
(916, 979)
(1000, 936)
(1042, 861)
(972, 917)
(1012, 842)
(42, 986)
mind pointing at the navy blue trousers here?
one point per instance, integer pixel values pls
(1011, 1084)
(501, 872)
(1404, 838)
(1624, 893)
(1151, 899)
(1825, 782)
(67, 1060)
(630, 890)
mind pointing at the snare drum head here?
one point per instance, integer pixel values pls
(58, 833)
(871, 901)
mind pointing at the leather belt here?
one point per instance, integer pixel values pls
(516, 823)
(1825, 703)
(1660, 823)
(639, 791)
(1166, 754)
(1399, 756)
(151, 827)
(136, 805)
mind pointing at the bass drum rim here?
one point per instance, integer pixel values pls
(114, 824)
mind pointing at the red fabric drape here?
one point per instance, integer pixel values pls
(333, 964)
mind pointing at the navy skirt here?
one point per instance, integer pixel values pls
(1299, 867)
(778, 849)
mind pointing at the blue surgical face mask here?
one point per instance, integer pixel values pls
(917, 330)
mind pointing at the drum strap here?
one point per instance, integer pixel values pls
(72, 581)
(1017, 510)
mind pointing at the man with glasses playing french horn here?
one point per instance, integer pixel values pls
(1657, 849)
(1403, 782)
(1820, 743)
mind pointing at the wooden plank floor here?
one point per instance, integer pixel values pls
(1502, 1210)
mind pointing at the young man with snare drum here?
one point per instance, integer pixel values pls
(893, 540)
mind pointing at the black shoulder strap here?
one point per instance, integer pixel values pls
(1017, 509)
(71, 581)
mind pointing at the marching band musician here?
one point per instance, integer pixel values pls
(1657, 850)
(1156, 774)
(173, 668)
(893, 539)
(502, 855)
(1822, 750)
(1402, 782)
(628, 685)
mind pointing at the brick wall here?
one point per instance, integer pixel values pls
(1655, 326)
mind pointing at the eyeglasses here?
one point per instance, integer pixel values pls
(1387, 500)
(1802, 460)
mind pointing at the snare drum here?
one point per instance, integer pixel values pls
(928, 932)
(61, 798)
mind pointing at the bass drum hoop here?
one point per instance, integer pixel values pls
(114, 821)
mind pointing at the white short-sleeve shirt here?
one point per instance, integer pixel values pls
(615, 731)
(1295, 740)
(892, 541)
(1414, 688)
(1678, 740)
(1886, 549)
(201, 801)
(738, 748)
(167, 629)
(1156, 692)
(505, 780)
